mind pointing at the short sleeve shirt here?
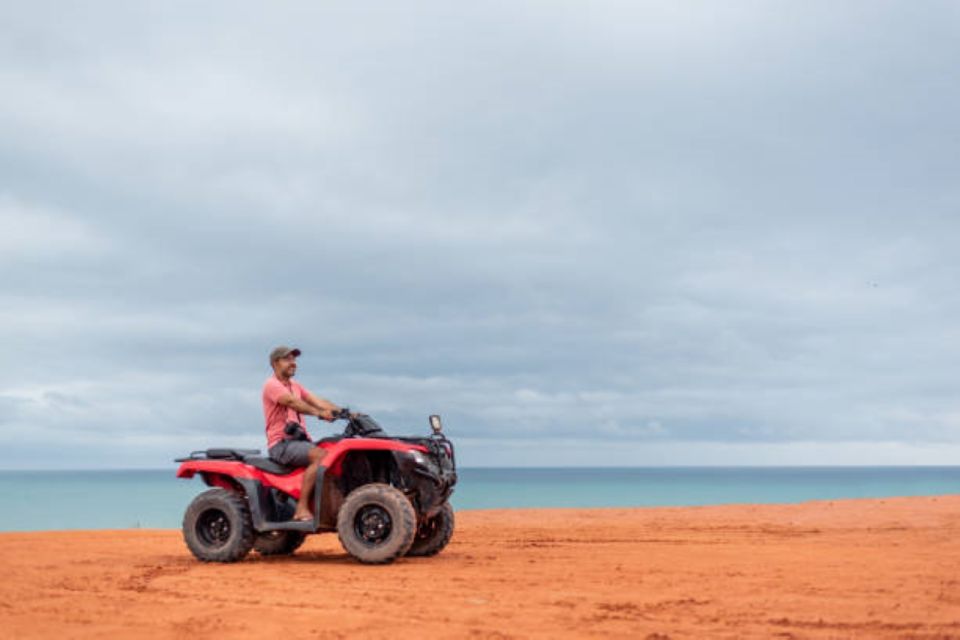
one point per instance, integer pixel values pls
(276, 414)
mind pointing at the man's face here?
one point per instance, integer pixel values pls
(285, 367)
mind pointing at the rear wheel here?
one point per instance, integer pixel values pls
(433, 534)
(217, 526)
(278, 543)
(376, 524)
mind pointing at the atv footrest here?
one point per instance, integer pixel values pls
(290, 525)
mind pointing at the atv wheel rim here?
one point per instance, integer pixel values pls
(213, 528)
(372, 525)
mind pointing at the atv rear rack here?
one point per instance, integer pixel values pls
(220, 453)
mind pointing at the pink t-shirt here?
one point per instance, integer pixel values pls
(276, 414)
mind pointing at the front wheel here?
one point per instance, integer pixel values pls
(376, 524)
(433, 534)
(217, 526)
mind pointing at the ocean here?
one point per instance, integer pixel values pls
(125, 499)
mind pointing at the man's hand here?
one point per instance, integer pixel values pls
(326, 414)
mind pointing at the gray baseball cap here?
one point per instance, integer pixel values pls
(283, 352)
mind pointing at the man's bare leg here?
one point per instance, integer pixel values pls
(304, 512)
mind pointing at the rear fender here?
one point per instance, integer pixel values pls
(237, 474)
(229, 468)
(220, 480)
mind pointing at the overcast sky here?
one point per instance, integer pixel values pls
(585, 233)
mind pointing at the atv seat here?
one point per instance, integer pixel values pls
(268, 465)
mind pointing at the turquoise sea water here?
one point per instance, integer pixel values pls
(42, 500)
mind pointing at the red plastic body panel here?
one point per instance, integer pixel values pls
(214, 471)
(337, 450)
(290, 483)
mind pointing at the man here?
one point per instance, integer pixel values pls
(284, 403)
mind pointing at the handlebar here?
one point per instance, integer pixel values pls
(342, 414)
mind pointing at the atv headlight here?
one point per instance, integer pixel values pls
(425, 462)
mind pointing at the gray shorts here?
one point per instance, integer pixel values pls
(293, 453)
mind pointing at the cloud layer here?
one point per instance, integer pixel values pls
(623, 226)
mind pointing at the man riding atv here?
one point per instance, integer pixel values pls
(385, 496)
(284, 404)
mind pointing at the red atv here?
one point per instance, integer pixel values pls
(384, 496)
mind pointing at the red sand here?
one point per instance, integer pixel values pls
(846, 569)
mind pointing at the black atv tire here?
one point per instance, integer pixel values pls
(433, 534)
(376, 523)
(278, 543)
(217, 526)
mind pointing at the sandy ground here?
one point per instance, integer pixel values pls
(846, 569)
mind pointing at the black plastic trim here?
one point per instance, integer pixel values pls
(261, 504)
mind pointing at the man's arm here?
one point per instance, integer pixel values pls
(327, 408)
(301, 406)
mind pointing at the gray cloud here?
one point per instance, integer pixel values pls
(643, 224)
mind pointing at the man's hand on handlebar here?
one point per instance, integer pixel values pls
(338, 414)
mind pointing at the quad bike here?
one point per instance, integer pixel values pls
(384, 496)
